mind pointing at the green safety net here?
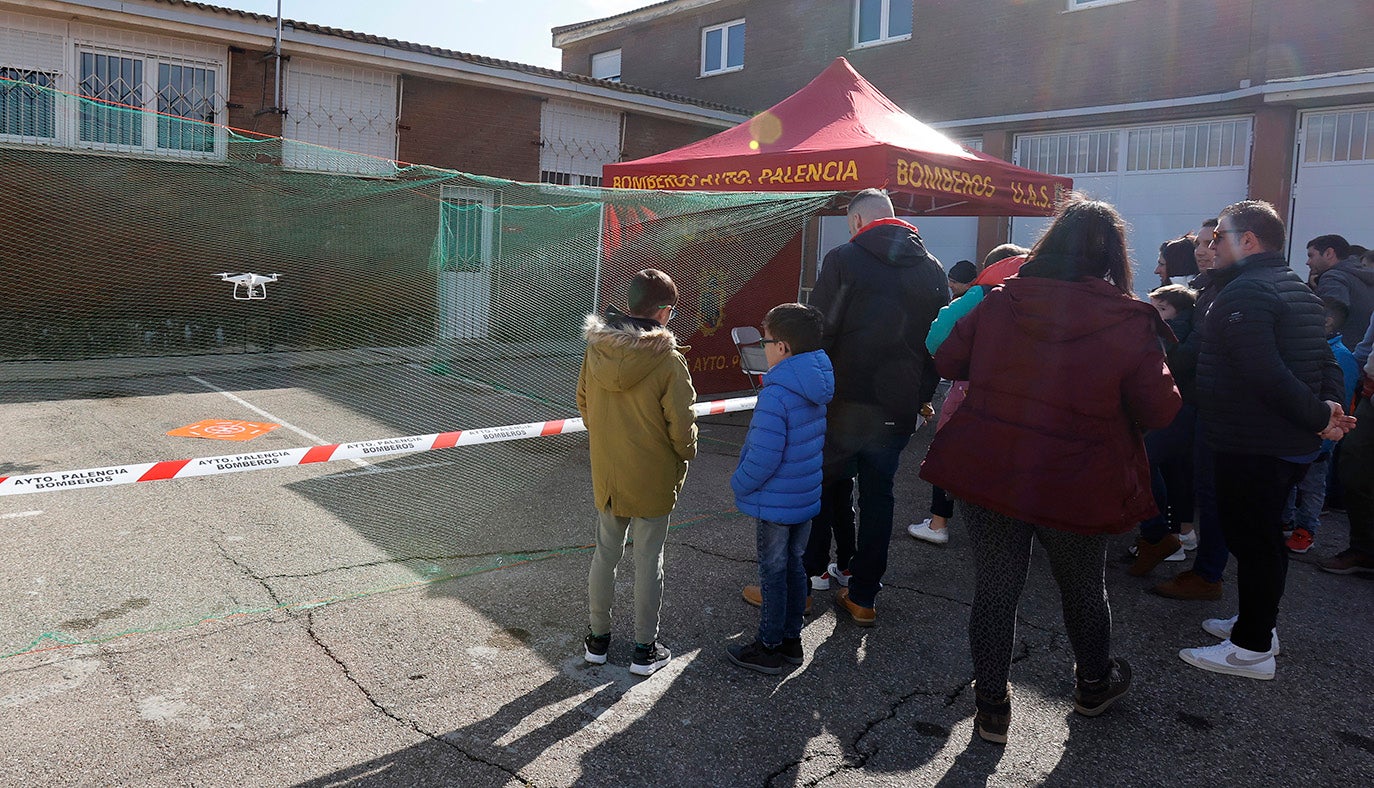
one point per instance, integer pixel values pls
(406, 300)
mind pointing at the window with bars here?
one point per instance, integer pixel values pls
(575, 141)
(1189, 146)
(568, 178)
(468, 218)
(348, 108)
(1338, 137)
(114, 84)
(122, 78)
(185, 92)
(25, 109)
(1075, 153)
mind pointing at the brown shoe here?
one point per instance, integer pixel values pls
(1189, 585)
(863, 616)
(1348, 562)
(1148, 556)
(754, 596)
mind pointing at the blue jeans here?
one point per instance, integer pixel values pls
(1305, 500)
(782, 579)
(859, 441)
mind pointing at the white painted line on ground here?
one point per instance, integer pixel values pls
(17, 515)
(318, 441)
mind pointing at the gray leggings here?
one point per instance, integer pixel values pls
(1001, 560)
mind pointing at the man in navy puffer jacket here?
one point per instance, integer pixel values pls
(778, 479)
(1269, 390)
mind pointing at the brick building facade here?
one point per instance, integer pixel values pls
(96, 194)
(1093, 89)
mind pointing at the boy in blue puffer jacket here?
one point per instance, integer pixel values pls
(778, 479)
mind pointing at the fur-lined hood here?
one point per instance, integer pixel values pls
(620, 353)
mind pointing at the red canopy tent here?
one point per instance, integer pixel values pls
(839, 133)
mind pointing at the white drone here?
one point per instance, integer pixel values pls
(249, 287)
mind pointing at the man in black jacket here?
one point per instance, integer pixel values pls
(879, 294)
(1341, 279)
(1269, 390)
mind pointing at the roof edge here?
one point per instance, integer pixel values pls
(578, 31)
(480, 68)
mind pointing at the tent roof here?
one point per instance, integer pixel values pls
(840, 133)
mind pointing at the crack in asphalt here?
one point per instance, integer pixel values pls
(714, 554)
(861, 757)
(248, 572)
(451, 557)
(768, 781)
(412, 724)
(348, 674)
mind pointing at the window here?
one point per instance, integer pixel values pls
(26, 110)
(466, 219)
(339, 108)
(606, 65)
(1188, 146)
(32, 63)
(1218, 144)
(881, 21)
(185, 92)
(122, 78)
(1343, 136)
(722, 48)
(575, 141)
(1075, 153)
(117, 83)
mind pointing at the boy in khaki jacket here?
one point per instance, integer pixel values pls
(635, 395)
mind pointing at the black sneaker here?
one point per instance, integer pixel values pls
(597, 646)
(756, 656)
(993, 718)
(791, 651)
(1091, 698)
(649, 658)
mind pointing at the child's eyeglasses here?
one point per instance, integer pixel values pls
(671, 314)
(763, 342)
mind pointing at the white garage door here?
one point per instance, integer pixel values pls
(1164, 179)
(1334, 190)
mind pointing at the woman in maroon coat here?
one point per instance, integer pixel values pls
(1065, 370)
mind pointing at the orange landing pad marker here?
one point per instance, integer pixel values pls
(224, 430)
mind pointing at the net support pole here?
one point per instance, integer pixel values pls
(600, 252)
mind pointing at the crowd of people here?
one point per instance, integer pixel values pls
(1211, 418)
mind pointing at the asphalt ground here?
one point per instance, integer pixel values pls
(418, 620)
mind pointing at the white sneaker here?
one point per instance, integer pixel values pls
(1181, 554)
(1189, 540)
(821, 582)
(925, 533)
(1221, 627)
(836, 575)
(1226, 657)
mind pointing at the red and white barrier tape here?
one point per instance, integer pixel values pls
(235, 463)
